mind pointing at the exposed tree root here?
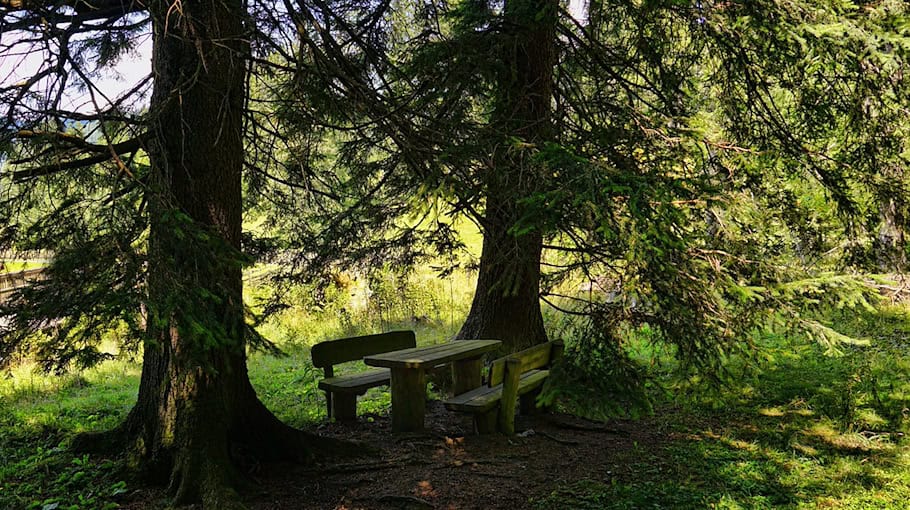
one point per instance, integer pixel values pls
(198, 477)
(211, 470)
(572, 425)
(558, 440)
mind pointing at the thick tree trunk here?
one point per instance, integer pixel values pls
(197, 417)
(506, 302)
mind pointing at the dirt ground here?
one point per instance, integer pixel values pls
(445, 467)
(449, 467)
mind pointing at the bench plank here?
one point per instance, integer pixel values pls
(521, 374)
(531, 358)
(333, 352)
(485, 398)
(510, 387)
(341, 392)
(356, 383)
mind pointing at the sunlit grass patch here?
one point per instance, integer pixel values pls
(846, 443)
(795, 429)
(39, 413)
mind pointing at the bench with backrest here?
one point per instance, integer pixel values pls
(341, 391)
(517, 376)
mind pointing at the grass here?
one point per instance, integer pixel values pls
(800, 429)
(40, 413)
(38, 416)
(13, 266)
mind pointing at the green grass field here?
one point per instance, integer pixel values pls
(13, 266)
(798, 429)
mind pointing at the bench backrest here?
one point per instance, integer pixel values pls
(539, 356)
(333, 352)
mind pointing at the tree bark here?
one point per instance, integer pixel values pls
(890, 243)
(197, 417)
(506, 303)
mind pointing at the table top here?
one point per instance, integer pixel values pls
(430, 356)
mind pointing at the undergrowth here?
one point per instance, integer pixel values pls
(795, 427)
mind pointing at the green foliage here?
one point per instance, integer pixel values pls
(348, 304)
(598, 379)
(38, 415)
(692, 181)
(796, 429)
(765, 438)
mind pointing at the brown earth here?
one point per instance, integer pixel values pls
(446, 467)
(450, 467)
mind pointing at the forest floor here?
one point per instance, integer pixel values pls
(449, 467)
(780, 458)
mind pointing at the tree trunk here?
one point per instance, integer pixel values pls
(506, 302)
(197, 417)
(890, 243)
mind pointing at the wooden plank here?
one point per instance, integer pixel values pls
(328, 372)
(485, 397)
(509, 396)
(476, 400)
(333, 352)
(434, 353)
(356, 383)
(409, 399)
(485, 422)
(428, 357)
(415, 355)
(345, 406)
(532, 358)
(532, 380)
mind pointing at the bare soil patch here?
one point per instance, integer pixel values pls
(449, 467)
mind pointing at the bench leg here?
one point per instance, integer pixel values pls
(328, 405)
(345, 406)
(509, 396)
(409, 399)
(527, 403)
(485, 423)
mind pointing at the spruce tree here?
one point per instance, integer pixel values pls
(658, 114)
(143, 208)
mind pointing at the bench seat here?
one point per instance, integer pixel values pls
(518, 376)
(486, 398)
(341, 391)
(356, 383)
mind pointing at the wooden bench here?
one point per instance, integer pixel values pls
(517, 376)
(341, 392)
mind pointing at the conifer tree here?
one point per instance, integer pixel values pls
(143, 209)
(659, 113)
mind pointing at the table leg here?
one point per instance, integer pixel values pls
(466, 375)
(409, 399)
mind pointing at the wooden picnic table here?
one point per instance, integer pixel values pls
(408, 372)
